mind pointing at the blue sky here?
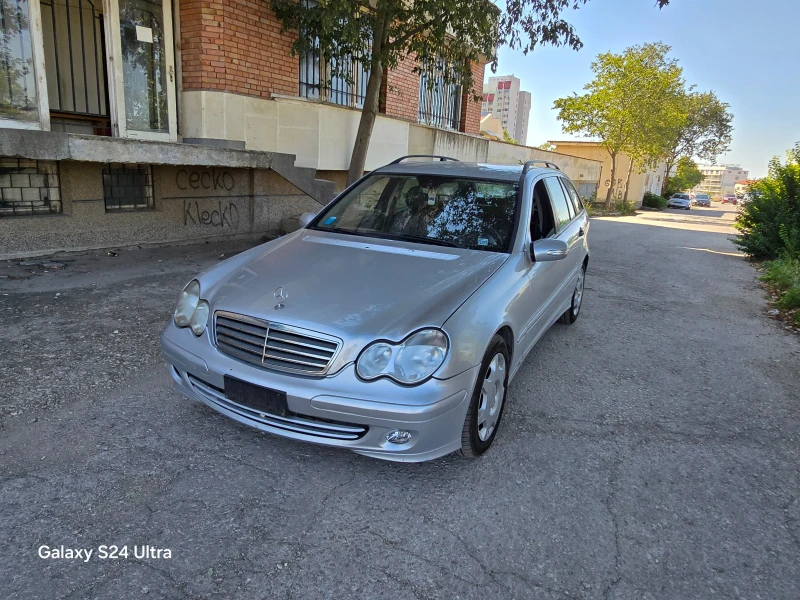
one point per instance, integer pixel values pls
(743, 50)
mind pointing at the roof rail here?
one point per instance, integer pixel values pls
(530, 163)
(441, 158)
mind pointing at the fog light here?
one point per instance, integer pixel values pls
(398, 436)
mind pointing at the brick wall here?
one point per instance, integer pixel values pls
(400, 96)
(236, 46)
(401, 91)
(471, 110)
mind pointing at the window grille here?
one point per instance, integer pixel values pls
(127, 186)
(28, 187)
(439, 101)
(319, 81)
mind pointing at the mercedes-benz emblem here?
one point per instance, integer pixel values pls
(280, 295)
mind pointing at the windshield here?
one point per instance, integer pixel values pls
(439, 210)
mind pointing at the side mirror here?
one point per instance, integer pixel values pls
(306, 218)
(548, 250)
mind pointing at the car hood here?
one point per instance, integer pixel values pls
(356, 288)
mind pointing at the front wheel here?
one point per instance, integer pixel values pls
(488, 399)
(571, 315)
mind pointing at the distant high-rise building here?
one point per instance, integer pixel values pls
(523, 110)
(503, 99)
(719, 179)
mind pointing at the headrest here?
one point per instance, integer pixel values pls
(416, 198)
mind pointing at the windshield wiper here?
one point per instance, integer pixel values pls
(410, 237)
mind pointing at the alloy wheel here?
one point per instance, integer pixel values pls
(577, 296)
(493, 392)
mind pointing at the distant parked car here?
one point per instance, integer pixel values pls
(680, 201)
(729, 198)
(702, 200)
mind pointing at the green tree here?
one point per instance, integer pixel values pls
(687, 175)
(507, 137)
(702, 128)
(769, 224)
(652, 118)
(622, 105)
(455, 33)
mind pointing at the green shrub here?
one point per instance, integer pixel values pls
(625, 208)
(652, 200)
(769, 224)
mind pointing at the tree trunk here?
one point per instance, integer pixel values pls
(628, 180)
(359, 157)
(666, 177)
(610, 191)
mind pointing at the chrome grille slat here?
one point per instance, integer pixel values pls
(240, 326)
(297, 424)
(242, 343)
(295, 361)
(291, 350)
(240, 335)
(297, 343)
(274, 345)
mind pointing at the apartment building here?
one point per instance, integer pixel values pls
(719, 180)
(127, 122)
(503, 99)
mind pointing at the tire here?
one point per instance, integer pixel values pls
(574, 310)
(475, 438)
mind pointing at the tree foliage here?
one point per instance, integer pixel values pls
(455, 33)
(769, 224)
(703, 127)
(687, 175)
(621, 106)
(507, 137)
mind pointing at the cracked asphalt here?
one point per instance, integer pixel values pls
(649, 451)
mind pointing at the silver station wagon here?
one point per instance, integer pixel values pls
(392, 323)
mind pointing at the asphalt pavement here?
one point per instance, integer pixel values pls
(650, 451)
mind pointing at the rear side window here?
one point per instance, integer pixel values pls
(561, 206)
(572, 194)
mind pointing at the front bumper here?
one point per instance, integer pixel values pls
(338, 410)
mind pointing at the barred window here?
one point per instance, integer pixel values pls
(320, 77)
(319, 82)
(29, 187)
(127, 186)
(439, 101)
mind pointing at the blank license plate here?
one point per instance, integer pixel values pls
(261, 399)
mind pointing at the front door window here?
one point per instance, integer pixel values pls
(17, 80)
(144, 65)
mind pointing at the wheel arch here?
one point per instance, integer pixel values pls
(507, 334)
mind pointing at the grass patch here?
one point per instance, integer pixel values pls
(782, 277)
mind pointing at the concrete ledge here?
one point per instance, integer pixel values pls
(52, 145)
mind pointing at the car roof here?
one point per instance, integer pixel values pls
(455, 168)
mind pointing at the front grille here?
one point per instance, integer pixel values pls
(293, 423)
(274, 345)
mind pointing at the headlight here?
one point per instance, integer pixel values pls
(199, 318)
(187, 303)
(411, 361)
